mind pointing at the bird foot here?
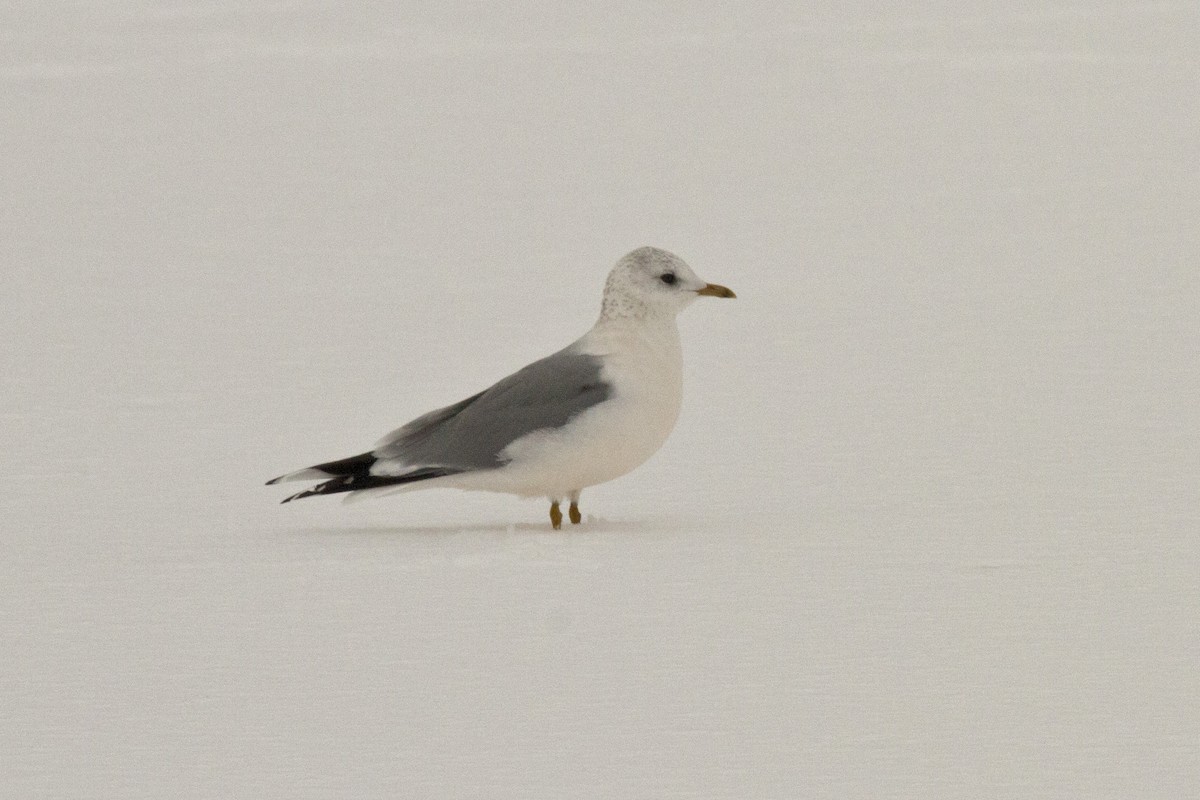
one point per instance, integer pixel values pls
(556, 516)
(576, 517)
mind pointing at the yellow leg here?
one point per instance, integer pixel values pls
(576, 517)
(555, 515)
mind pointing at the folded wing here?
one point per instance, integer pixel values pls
(474, 433)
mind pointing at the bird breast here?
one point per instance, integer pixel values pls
(645, 376)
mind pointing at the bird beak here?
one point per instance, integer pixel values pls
(713, 290)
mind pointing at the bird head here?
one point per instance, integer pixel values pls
(650, 282)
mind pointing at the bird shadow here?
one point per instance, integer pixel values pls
(591, 525)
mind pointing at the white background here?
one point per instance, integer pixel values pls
(927, 527)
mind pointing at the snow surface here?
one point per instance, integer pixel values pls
(927, 527)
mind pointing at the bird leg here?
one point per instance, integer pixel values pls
(555, 515)
(576, 517)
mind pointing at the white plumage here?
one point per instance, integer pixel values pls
(585, 415)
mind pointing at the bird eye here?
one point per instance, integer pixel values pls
(668, 278)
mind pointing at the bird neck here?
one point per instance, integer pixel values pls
(618, 305)
(655, 336)
(634, 314)
(627, 309)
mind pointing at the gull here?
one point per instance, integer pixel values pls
(585, 415)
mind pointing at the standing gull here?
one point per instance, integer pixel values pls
(585, 415)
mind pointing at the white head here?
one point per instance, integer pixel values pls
(653, 283)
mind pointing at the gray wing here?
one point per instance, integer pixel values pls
(471, 434)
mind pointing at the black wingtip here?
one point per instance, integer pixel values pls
(358, 466)
(319, 489)
(344, 483)
(355, 483)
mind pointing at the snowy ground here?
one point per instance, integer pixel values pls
(927, 527)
